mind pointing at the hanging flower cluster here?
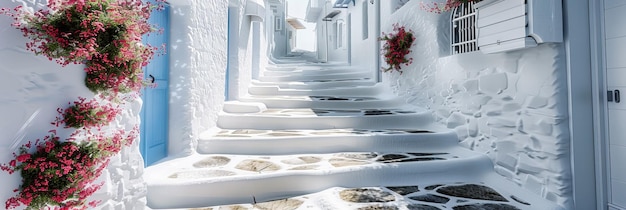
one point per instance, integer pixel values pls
(105, 36)
(397, 46)
(87, 114)
(447, 6)
(61, 173)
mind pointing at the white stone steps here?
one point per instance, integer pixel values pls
(303, 64)
(313, 77)
(325, 102)
(415, 195)
(207, 180)
(314, 71)
(275, 142)
(318, 84)
(243, 107)
(326, 119)
(331, 91)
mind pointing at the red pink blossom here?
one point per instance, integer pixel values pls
(397, 45)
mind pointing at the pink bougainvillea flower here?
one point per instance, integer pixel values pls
(397, 45)
(447, 6)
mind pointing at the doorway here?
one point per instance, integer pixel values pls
(614, 47)
(155, 111)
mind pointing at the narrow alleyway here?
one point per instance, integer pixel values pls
(324, 136)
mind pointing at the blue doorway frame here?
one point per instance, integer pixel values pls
(155, 110)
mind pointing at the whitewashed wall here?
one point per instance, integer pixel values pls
(330, 43)
(279, 36)
(249, 49)
(197, 72)
(510, 106)
(31, 89)
(364, 51)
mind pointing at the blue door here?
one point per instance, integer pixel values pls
(154, 114)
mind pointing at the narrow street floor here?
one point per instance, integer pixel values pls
(327, 136)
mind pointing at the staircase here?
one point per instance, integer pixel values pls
(321, 136)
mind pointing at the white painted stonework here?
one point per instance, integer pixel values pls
(511, 106)
(33, 88)
(197, 69)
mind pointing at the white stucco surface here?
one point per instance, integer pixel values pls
(510, 106)
(32, 88)
(197, 70)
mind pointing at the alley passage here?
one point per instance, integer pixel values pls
(327, 136)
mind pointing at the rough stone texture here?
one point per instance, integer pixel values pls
(257, 166)
(366, 195)
(404, 190)
(286, 204)
(358, 156)
(472, 191)
(379, 208)
(302, 160)
(341, 162)
(212, 162)
(488, 206)
(432, 187)
(421, 207)
(517, 96)
(431, 198)
(197, 73)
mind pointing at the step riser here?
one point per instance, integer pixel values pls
(314, 77)
(311, 72)
(358, 91)
(327, 104)
(317, 85)
(408, 121)
(325, 144)
(232, 191)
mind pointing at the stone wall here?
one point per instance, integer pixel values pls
(31, 90)
(197, 70)
(511, 106)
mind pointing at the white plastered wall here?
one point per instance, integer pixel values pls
(197, 70)
(32, 88)
(511, 106)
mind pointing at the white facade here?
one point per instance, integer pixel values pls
(532, 111)
(529, 110)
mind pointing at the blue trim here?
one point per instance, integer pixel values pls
(155, 111)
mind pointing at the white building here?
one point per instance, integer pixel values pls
(541, 112)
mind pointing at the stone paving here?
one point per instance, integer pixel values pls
(456, 196)
(377, 155)
(220, 166)
(250, 133)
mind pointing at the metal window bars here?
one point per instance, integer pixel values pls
(463, 29)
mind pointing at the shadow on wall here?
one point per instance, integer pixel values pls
(180, 74)
(511, 106)
(31, 90)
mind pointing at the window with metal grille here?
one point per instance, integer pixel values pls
(463, 29)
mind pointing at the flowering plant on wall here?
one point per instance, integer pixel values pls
(447, 6)
(397, 46)
(61, 173)
(86, 114)
(105, 35)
